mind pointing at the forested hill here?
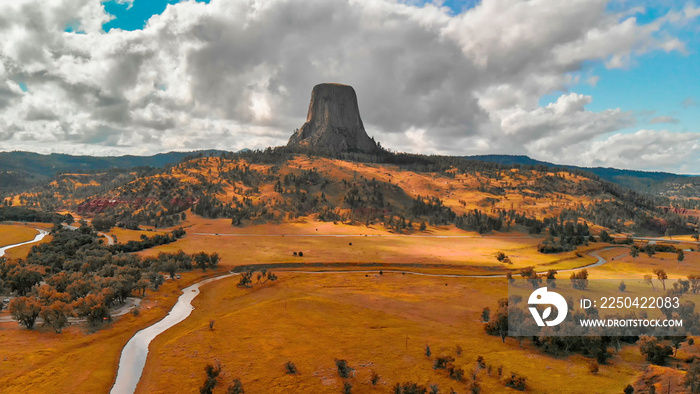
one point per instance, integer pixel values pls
(18, 169)
(656, 183)
(402, 192)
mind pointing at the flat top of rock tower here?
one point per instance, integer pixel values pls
(334, 87)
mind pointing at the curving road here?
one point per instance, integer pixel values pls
(594, 253)
(110, 240)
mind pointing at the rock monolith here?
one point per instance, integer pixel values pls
(333, 123)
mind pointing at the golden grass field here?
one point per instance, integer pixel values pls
(311, 319)
(30, 231)
(21, 252)
(11, 234)
(366, 319)
(124, 235)
(622, 265)
(450, 250)
(78, 360)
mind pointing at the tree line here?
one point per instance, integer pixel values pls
(75, 274)
(24, 214)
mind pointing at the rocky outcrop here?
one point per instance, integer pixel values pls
(333, 123)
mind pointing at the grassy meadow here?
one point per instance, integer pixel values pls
(376, 323)
(379, 323)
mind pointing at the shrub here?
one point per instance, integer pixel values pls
(456, 373)
(442, 361)
(579, 280)
(347, 388)
(653, 351)
(516, 382)
(236, 387)
(374, 378)
(499, 324)
(593, 367)
(344, 369)
(427, 351)
(213, 373)
(290, 368)
(485, 314)
(246, 279)
(409, 388)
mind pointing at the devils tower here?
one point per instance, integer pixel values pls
(333, 123)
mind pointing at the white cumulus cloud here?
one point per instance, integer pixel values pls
(238, 74)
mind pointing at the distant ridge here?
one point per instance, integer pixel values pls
(19, 168)
(652, 182)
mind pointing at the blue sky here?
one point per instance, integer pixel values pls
(665, 83)
(656, 85)
(133, 16)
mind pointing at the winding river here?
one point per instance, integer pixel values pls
(39, 237)
(133, 357)
(134, 354)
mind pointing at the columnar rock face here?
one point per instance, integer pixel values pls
(333, 123)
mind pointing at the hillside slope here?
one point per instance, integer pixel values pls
(401, 191)
(19, 169)
(651, 182)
